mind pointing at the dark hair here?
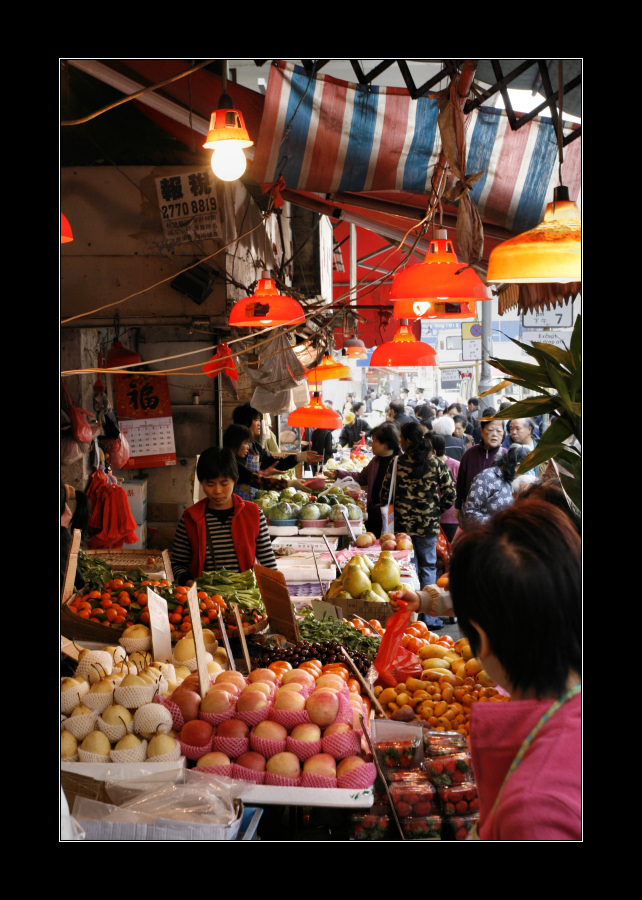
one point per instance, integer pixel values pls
(397, 406)
(387, 433)
(217, 462)
(419, 448)
(423, 411)
(438, 442)
(235, 435)
(474, 401)
(356, 407)
(550, 490)
(483, 424)
(456, 406)
(426, 423)
(518, 576)
(245, 415)
(461, 420)
(509, 461)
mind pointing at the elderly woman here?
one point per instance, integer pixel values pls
(515, 583)
(492, 489)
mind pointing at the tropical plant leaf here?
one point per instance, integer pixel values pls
(576, 342)
(524, 374)
(498, 387)
(562, 354)
(560, 386)
(540, 454)
(542, 352)
(572, 487)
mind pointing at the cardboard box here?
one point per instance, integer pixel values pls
(141, 533)
(136, 491)
(367, 609)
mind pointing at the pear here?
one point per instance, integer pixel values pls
(140, 658)
(80, 710)
(96, 742)
(372, 596)
(116, 714)
(160, 745)
(381, 594)
(136, 632)
(355, 581)
(128, 742)
(386, 572)
(132, 681)
(185, 649)
(68, 745)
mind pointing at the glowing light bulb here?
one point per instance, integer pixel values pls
(228, 161)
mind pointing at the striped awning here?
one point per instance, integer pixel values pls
(323, 135)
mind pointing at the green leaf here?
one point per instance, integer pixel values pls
(561, 354)
(576, 342)
(498, 387)
(530, 377)
(573, 489)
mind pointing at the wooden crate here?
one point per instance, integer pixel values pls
(74, 626)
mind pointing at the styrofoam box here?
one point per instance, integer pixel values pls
(136, 491)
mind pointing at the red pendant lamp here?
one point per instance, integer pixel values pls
(403, 350)
(450, 309)
(315, 414)
(266, 307)
(328, 369)
(65, 230)
(441, 278)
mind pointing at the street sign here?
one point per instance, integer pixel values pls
(559, 317)
(557, 338)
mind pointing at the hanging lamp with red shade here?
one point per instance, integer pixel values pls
(404, 350)
(355, 348)
(266, 308)
(315, 414)
(440, 279)
(65, 230)
(328, 369)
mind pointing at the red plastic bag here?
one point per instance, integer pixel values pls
(80, 427)
(444, 549)
(393, 662)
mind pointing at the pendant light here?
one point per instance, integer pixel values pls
(441, 278)
(65, 230)
(315, 414)
(355, 348)
(227, 137)
(551, 252)
(451, 309)
(403, 350)
(328, 369)
(266, 307)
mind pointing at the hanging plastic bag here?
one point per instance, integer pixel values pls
(80, 427)
(118, 451)
(393, 662)
(444, 549)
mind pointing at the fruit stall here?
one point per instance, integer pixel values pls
(291, 708)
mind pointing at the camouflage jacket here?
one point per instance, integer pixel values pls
(419, 502)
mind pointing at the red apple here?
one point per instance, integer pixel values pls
(196, 732)
(214, 759)
(337, 728)
(270, 731)
(228, 686)
(295, 686)
(321, 764)
(266, 675)
(285, 764)
(289, 700)
(231, 675)
(348, 764)
(232, 728)
(260, 686)
(307, 731)
(404, 544)
(252, 700)
(402, 536)
(322, 706)
(252, 760)
(330, 681)
(300, 675)
(188, 702)
(217, 702)
(388, 545)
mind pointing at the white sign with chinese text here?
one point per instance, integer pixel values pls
(188, 206)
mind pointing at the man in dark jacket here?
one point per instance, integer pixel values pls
(354, 426)
(397, 415)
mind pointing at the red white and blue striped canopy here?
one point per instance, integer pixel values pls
(324, 135)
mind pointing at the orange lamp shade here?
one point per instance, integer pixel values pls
(403, 350)
(328, 369)
(267, 307)
(355, 348)
(435, 309)
(440, 278)
(315, 415)
(227, 125)
(551, 252)
(65, 230)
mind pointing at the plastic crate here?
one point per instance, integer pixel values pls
(249, 824)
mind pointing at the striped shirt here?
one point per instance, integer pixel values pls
(218, 523)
